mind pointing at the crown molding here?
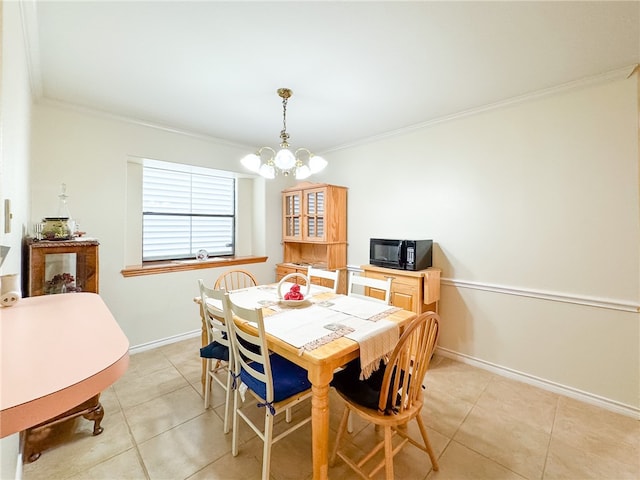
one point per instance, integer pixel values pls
(617, 74)
(138, 122)
(29, 14)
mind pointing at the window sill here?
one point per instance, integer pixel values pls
(154, 268)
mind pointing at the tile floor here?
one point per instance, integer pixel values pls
(481, 426)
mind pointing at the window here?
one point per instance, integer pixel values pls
(186, 209)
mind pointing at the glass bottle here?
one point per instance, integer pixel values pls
(63, 210)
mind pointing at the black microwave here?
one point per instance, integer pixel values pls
(401, 254)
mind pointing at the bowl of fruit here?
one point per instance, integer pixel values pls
(297, 294)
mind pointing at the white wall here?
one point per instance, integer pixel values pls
(15, 126)
(89, 153)
(539, 198)
(15, 118)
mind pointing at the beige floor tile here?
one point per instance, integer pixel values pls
(147, 362)
(158, 415)
(192, 371)
(457, 379)
(181, 352)
(513, 444)
(523, 402)
(125, 466)
(291, 457)
(82, 450)
(567, 462)
(186, 449)
(230, 468)
(459, 462)
(598, 432)
(133, 389)
(444, 412)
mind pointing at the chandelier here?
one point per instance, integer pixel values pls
(268, 163)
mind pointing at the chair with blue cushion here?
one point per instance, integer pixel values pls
(217, 353)
(276, 383)
(390, 398)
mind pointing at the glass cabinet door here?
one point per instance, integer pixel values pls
(61, 273)
(315, 214)
(291, 215)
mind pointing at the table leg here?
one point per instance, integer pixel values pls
(320, 425)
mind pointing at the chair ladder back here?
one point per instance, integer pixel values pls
(409, 362)
(214, 317)
(235, 279)
(326, 274)
(370, 283)
(243, 340)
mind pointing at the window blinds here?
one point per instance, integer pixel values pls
(184, 212)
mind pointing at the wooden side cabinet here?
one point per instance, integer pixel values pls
(60, 266)
(417, 291)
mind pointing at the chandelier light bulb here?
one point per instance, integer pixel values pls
(317, 163)
(267, 171)
(302, 172)
(285, 160)
(251, 162)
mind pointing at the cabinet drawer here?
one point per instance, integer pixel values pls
(284, 270)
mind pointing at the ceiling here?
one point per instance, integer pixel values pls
(357, 69)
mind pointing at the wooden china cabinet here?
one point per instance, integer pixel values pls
(314, 230)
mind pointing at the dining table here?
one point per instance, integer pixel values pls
(319, 358)
(58, 353)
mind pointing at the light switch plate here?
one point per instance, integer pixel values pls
(7, 215)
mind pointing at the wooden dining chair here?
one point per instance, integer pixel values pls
(391, 398)
(235, 279)
(217, 353)
(358, 285)
(275, 382)
(330, 275)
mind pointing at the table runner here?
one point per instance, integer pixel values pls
(360, 320)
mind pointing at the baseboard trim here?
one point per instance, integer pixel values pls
(560, 389)
(143, 347)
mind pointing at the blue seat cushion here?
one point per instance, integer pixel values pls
(288, 379)
(215, 350)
